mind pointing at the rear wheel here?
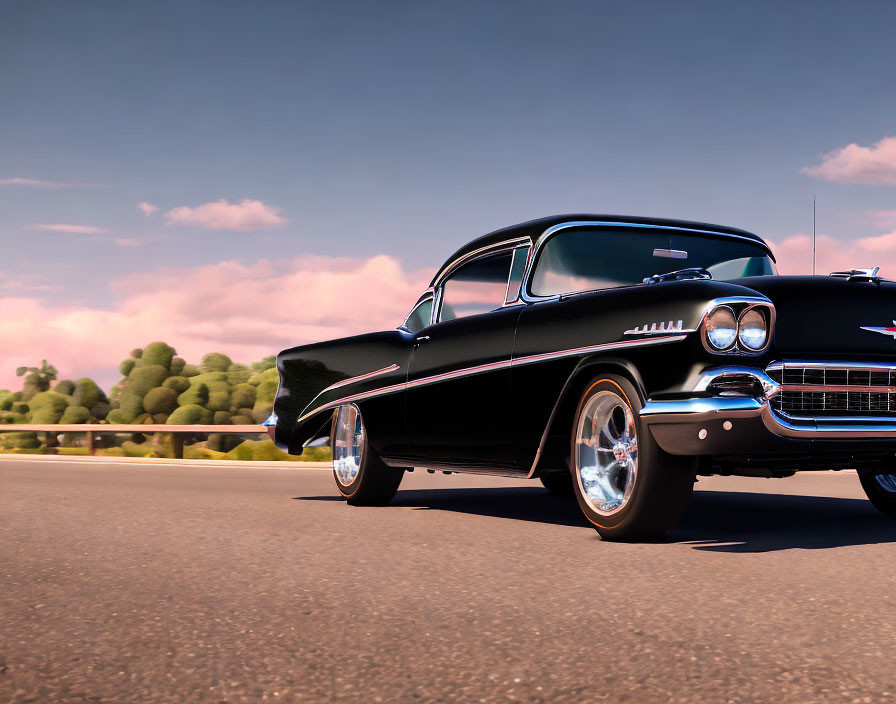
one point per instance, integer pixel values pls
(361, 476)
(625, 484)
(881, 491)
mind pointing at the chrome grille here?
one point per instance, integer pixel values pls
(831, 389)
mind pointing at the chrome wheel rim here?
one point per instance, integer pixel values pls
(348, 444)
(606, 453)
(887, 482)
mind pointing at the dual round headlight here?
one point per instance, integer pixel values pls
(723, 329)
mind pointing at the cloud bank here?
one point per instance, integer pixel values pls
(245, 216)
(147, 208)
(874, 165)
(248, 311)
(73, 229)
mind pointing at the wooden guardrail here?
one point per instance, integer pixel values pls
(94, 429)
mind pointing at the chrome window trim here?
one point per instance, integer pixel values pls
(551, 231)
(480, 253)
(516, 299)
(451, 266)
(428, 295)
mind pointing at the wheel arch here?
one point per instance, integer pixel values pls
(554, 445)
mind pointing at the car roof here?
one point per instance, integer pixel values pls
(533, 228)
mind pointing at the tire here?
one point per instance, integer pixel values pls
(881, 491)
(361, 476)
(622, 504)
(558, 483)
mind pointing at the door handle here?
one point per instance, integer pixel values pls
(420, 340)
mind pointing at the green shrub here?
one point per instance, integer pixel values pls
(140, 382)
(65, 387)
(242, 419)
(221, 418)
(158, 353)
(87, 393)
(267, 386)
(218, 401)
(160, 418)
(257, 450)
(27, 440)
(238, 374)
(116, 417)
(126, 366)
(75, 414)
(223, 442)
(136, 353)
(100, 410)
(190, 414)
(177, 366)
(190, 370)
(48, 407)
(160, 400)
(196, 395)
(215, 362)
(133, 449)
(178, 383)
(20, 408)
(5, 400)
(262, 411)
(264, 365)
(242, 396)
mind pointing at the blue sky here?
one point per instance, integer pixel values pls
(408, 128)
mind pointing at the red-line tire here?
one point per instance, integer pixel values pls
(362, 478)
(662, 483)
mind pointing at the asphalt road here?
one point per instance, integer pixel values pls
(181, 584)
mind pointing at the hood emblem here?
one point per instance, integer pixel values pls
(891, 331)
(658, 328)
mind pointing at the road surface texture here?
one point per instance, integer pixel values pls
(218, 584)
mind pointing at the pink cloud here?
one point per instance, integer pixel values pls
(73, 229)
(884, 218)
(875, 165)
(247, 311)
(245, 216)
(147, 208)
(794, 254)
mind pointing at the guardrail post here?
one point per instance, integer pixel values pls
(91, 445)
(178, 443)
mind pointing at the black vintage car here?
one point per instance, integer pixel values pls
(613, 357)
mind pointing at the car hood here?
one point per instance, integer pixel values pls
(823, 316)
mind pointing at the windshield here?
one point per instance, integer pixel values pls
(586, 259)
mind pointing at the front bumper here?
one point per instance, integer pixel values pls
(749, 426)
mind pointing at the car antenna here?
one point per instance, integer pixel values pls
(813, 235)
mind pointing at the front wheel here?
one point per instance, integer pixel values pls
(626, 486)
(361, 476)
(881, 491)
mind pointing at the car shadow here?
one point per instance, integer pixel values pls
(716, 521)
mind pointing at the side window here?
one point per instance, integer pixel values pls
(517, 269)
(477, 287)
(420, 316)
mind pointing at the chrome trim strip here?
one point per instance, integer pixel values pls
(547, 234)
(598, 348)
(479, 369)
(769, 386)
(368, 375)
(838, 388)
(662, 328)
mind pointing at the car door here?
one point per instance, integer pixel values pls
(459, 372)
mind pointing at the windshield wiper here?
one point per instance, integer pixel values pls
(679, 275)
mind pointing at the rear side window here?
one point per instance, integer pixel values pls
(477, 287)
